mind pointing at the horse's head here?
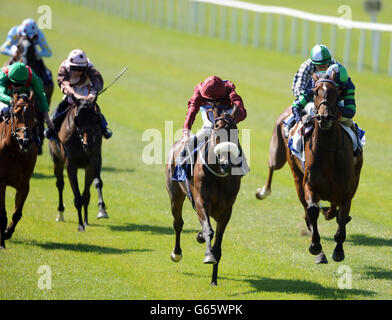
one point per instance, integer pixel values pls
(325, 101)
(26, 50)
(225, 139)
(23, 120)
(87, 123)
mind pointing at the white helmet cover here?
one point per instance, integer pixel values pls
(77, 58)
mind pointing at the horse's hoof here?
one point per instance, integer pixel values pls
(81, 229)
(209, 259)
(262, 193)
(102, 215)
(7, 234)
(176, 257)
(2, 247)
(315, 249)
(328, 215)
(321, 258)
(200, 238)
(214, 284)
(338, 255)
(60, 217)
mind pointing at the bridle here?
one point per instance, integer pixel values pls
(27, 132)
(326, 102)
(231, 125)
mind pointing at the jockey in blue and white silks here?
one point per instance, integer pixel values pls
(27, 28)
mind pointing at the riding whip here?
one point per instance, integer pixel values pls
(118, 77)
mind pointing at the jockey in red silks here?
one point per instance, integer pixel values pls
(213, 91)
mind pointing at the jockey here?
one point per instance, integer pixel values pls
(78, 77)
(320, 59)
(30, 29)
(346, 99)
(213, 91)
(20, 78)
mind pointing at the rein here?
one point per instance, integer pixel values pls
(205, 163)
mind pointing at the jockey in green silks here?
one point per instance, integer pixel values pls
(20, 78)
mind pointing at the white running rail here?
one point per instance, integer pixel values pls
(241, 21)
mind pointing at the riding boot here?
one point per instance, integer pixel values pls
(288, 126)
(106, 132)
(57, 115)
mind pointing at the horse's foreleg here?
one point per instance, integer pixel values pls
(312, 214)
(101, 204)
(217, 248)
(3, 216)
(88, 179)
(99, 186)
(78, 200)
(203, 212)
(340, 236)
(177, 201)
(58, 172)
(20, 198)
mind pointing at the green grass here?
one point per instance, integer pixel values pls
(127, 256)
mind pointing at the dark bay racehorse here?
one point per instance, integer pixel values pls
(331, 171)
(18, 155)
(26, 53)
(79, 148)
(213, 188)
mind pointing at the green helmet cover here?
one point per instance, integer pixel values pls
(320, 54)
(18, 73)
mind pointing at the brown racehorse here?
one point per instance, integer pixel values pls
(331, 172)
(18, 155)
(26, 53)
(213, 188)
(79, 148)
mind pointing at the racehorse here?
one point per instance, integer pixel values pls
(212, 188)
(26, 53)
(79, 146)
(18, 155)
(331, 171)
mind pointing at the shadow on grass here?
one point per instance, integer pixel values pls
(378, 273)
(364, 240)
(112, 169)
(37, 175)
(288, 286)
(78, 247)
(130, 227)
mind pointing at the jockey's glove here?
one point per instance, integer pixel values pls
(185, 135)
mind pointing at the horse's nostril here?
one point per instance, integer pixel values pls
(318, 117)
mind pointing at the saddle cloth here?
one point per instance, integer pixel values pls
(296, 142)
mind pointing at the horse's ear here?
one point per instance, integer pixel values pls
(333, 74)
